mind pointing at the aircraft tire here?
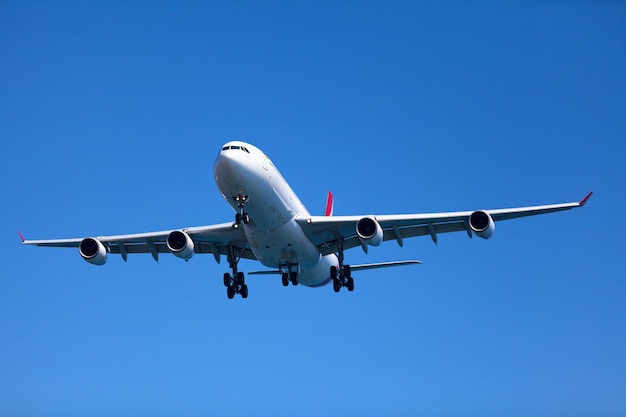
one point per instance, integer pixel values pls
(294, 278)
(350, 284)
(285, 278)
(244, 291)
(336, 285)
(230, 292)
(226, 279)
(347, 271)
(241, 279)
(333, 273)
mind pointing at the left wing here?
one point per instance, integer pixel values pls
(216, 239)
(352, 231)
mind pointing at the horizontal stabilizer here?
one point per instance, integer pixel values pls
(383, 265)
(271, 272)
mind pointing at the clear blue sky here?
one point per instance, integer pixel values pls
(111, 114)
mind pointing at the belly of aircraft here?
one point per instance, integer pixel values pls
(282, 246)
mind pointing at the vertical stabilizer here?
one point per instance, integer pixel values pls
(330, 202)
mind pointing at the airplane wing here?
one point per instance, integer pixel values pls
(328, 231)
(215, 239)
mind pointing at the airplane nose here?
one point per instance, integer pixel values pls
(228, 165)
(222, 164)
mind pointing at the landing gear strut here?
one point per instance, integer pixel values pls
(341, 274)
(241, 216)
(235, 284)
(290, 276)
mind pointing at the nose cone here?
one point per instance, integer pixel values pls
(223, 165)
(233, 168)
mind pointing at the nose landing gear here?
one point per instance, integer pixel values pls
(241, 216)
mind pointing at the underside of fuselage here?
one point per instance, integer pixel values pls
(266, 208)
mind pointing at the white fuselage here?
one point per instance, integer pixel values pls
(242, 170)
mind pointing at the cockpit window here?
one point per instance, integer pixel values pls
(235, 147)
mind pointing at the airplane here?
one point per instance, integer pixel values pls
(272, 226)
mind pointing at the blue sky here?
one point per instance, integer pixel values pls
(111, 115)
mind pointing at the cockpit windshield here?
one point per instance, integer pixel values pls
(235, 148)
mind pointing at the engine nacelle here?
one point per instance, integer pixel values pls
(93, 251)
(482, 224)
(369, 231)
(180, 244)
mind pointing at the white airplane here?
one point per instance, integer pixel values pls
(273, 226)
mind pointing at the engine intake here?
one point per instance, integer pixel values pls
(369, 231)
(180, 244)
(482, 224)
(93, 251)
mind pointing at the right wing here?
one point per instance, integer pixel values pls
(216, 239)
(327, 232)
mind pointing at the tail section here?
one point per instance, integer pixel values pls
(330, 203)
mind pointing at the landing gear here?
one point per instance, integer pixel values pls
(290, 276)
(241, 216)
(341, 274)
(235, 283)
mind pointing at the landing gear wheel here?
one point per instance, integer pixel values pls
(237, 218)
(294, 278)
(341, 274)
(285, 279)
(245, 218)
(235, 283)
(333, 273)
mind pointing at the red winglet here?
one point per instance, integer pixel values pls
(584, 200)
(22, 237)
(329, 205)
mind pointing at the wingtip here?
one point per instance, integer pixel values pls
(21, 237)
(585, 199)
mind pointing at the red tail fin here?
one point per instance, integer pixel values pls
(330, 202)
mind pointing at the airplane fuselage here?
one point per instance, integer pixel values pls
(248, 180)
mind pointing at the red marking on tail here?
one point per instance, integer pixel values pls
(22, 237)
(330, 202)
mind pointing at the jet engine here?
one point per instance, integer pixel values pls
(482, 224)
(180, 244)
(93, 251)
(369, 231)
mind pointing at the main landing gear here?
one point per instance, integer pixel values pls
(235, 284)
(341, 274)
(241, 216)
(290, 276)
